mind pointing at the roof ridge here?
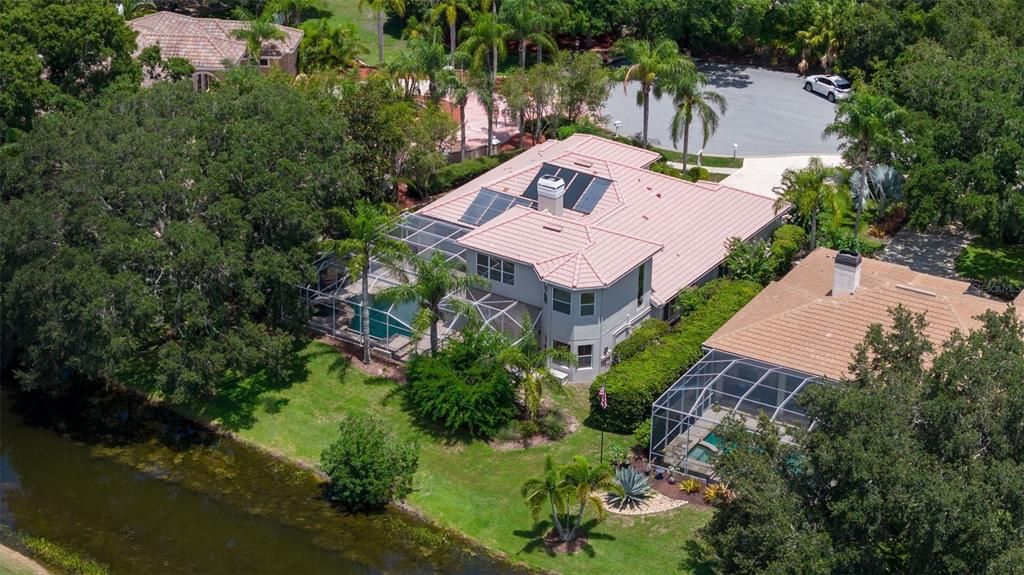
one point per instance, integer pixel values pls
(593, 268)
(778, 314)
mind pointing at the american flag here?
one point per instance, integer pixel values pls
(604, 398)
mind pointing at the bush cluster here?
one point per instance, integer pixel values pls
(642, 434)
(787, 241)
(454, 175)
(698, 173)
(368, 465)
(464, 388)
(645, 335)
(633, 385)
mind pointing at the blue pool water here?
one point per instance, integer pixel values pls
(701, 453)
(713, 440)
(382, 324)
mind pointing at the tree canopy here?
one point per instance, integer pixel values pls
(168, 230)
(914, 465)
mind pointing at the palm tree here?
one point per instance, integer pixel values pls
(483, 45)
(458, 94)
(436, 278)
(132, 9)
(378, 7)
(422, 58)
(823, 34)
(863, 121)
(530, 363)
(689, 98)
(368, 241)
(528, 21)
(567, 492)
(648, 63)
(450, 10)
(327, 47)
(291, 10)
(810, 191)
(549, 491)
(259, 30)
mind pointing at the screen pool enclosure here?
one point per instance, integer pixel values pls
(336, 300)
(684, 418)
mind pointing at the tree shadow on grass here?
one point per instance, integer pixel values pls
(422, 423)
(695, 559)
(537, 538)
(239, 398)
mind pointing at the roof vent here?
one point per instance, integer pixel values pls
(915, 289)
(846, 276)
(552, 228)
(550, 190)
(583, 164)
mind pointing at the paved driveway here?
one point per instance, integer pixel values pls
(768, 114)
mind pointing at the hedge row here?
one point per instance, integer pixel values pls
(454, 175)
(632, 386)
(648, 333)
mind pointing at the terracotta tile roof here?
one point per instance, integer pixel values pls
(796, 322)
(566, 253)
(691, 221)
(205, 42)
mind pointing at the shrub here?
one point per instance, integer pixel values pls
(631, 489)
(580, 128)
(787, 241)
(663, 168)
(689, 485)
(697, 173)
(717, 493)
(527, 428)
(552, 424)
(633, 385)
(642, 434)
(454, 175)
(463, 388)
(368, 465)
(645, 335)
(752, 261)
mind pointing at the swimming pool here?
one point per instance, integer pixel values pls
(386, 321)
(701, 454)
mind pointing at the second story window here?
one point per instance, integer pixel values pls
(640, 287)
(587, 303)
(496, 269)
(561, 301)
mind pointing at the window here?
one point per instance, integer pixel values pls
(264, 62)
(495, 269)
(584, 356)
(640, 287)
(825, 81)
(561, 301)
(587, 303)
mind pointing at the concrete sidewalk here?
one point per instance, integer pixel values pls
(761, 175)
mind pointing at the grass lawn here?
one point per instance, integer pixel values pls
(348, 11)
(466, 486)
(984, 260)
(708, 161)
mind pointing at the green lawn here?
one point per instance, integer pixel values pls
(984, 260)
(708, 161)
(348, 11)
(466, 486)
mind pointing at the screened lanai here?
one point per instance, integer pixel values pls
(337, 300)
(684, 418)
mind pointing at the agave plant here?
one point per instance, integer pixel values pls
(631, 489)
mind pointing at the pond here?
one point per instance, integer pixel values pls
(144, 491)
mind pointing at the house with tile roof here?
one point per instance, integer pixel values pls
(801, 330)
(594, 242)
(209, 45)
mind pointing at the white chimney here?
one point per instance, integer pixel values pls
(550, 190)
(846, 277)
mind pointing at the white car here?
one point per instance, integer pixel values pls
(832, 87)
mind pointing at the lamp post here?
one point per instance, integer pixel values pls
(617, 124)
(734, 146)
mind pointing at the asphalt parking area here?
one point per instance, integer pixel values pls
(769, 114)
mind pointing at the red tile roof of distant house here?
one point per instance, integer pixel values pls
(797, 323)
(207, 43)
(689, 221)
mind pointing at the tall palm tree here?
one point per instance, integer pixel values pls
(863, 121)
(483, 45)
(584, 481)
(259, 29)
(822, 36)
(457, 91)
(654, 65)
(422, 59)
(567, 492)
(810, 191)
(368, 241)
(436, 278)
(378, 7)
(327, 47)
(530, 363)
(528, 23)
(691, 98)
(450, 10)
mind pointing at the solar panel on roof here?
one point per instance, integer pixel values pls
(488, 205)
(592, 196)
(545, 170)
(575, 188)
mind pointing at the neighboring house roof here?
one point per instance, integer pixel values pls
(567, 253)
(207, 43)
(796, 322)
(690, 221)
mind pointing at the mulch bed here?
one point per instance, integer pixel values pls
(378, 367)
(554, 544)
(671, 490)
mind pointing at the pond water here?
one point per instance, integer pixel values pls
(143, 491)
